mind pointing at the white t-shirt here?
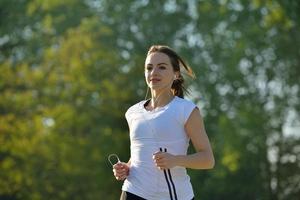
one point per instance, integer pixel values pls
(150, 131)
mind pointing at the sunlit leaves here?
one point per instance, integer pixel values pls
(70, 69)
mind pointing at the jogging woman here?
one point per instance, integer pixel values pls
(160, 131)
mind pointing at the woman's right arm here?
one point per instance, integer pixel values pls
(121, 170)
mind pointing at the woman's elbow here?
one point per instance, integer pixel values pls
(207, 163)
(211, 162)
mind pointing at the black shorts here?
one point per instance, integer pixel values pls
(130, 196)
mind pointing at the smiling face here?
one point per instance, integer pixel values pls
(159, 72)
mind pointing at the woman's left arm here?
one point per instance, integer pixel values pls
(202, 159)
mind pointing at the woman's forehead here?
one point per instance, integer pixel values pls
(157, 57)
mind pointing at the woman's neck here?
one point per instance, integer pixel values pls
(160, 99)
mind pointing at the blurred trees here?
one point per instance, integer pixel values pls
(69, 70)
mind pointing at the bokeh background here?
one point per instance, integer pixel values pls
(70, 69)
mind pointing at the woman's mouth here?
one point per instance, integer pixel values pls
(154, 80)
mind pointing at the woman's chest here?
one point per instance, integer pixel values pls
(163, 126)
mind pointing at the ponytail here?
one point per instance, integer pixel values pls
(178, 88)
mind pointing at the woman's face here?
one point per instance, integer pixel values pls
(159, 72)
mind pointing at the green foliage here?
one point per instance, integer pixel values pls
(70, 69)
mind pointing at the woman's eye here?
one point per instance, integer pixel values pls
(148, 68)
(162, 67)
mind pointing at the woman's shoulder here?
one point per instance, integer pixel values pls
(185, 108)
(184, 102)
(137, 107)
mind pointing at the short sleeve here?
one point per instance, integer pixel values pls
(128, 115)
(133, 112)
(188, 108)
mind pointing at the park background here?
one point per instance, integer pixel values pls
(70, 69)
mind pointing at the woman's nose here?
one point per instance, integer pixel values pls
(154, 71)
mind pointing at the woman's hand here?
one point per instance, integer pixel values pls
(121, 171)
(164, 160)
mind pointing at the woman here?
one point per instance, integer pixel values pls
(160, 131)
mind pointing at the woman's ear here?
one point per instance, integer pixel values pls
(176, 75)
